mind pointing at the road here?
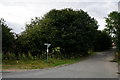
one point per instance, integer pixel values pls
(95, 66)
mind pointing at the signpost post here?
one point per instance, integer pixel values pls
(48, 45)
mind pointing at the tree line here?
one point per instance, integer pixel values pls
(113, 28)
(71, 33)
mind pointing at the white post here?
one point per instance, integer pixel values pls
(47, 53)
(48, 45)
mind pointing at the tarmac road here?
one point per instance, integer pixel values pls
(96, 66)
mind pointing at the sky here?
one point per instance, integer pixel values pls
(19, 12)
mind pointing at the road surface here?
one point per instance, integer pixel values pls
(96, 66)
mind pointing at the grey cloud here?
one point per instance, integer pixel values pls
(17, 28)
(119, 6)
(59, 0)
(99, 10)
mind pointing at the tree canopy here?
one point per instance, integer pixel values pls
(72, 31)
(113, 26)
(102, 41)
(7, 37)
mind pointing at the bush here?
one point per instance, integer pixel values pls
(9, 56)
(102, 42)
(72, 31)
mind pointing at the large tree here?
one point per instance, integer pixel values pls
(7, 37)
(102, 41)
(72, 31)
(113, 26)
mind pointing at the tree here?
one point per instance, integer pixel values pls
(7, 37)
(72, 31)
(102, 41)
(113, 27)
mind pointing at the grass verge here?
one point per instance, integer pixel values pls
(37, 64)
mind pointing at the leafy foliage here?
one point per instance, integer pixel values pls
(113, 26)
(102, 42)
(7, 37)
(72, 31)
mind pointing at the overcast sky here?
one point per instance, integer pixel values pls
(18, 12)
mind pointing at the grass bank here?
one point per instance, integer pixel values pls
(35, 64)
(38, 64)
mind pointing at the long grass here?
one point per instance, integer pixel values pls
(31, 63)
(35, 64)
